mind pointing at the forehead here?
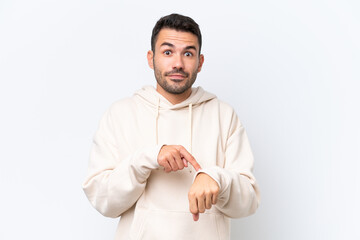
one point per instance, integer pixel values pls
(177, 38)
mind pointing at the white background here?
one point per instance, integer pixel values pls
(289, 68)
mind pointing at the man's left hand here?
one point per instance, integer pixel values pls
(202, 195)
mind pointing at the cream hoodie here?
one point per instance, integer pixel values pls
(124, 178)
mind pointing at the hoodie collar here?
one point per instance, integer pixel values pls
(152, 97)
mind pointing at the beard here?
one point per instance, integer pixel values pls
(175, 88)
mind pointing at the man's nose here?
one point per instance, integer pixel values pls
(178, 62)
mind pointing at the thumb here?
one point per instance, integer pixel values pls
(185, 162)
(196, 217)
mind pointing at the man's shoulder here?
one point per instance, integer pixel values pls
(123, 103)
(122, 107)
(226, 111)
(223, 106)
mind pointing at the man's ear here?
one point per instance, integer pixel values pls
(150, 57)
(201, 61)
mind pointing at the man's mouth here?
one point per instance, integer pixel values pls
(176, 76)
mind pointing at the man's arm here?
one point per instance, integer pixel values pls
(234, 186)
(113, 185)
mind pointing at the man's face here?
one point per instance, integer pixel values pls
(176, 61)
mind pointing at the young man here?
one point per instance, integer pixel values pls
(174, 162)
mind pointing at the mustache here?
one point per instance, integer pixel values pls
(177, 71)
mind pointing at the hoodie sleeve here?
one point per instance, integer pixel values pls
(239, 194)
(114, 183)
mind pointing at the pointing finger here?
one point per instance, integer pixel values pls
(188, 157)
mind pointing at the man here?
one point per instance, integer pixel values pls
(174, 162)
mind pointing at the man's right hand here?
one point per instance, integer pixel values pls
(176, 157)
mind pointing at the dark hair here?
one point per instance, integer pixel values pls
(177, 22)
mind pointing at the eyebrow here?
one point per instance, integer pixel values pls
(172, 45)
(190, 47)
(167, 44)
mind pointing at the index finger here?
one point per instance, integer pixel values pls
(188, 157)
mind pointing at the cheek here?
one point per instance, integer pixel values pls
(160, 64)
(193, 67)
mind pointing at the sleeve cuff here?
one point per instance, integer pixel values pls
(212, 173)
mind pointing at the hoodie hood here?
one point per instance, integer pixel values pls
(155, 99)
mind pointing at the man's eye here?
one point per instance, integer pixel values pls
(167, 52)
(188, 54)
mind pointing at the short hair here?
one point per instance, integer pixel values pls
(177, 22)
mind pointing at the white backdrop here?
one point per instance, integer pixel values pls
(289, 68)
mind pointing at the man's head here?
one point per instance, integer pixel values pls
(175, 55)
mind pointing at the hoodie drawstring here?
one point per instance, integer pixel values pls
(190, 133)
(190, 127)
(156, 120)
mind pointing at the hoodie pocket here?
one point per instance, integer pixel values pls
(160, 224)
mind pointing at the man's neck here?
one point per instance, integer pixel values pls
(173, 98)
